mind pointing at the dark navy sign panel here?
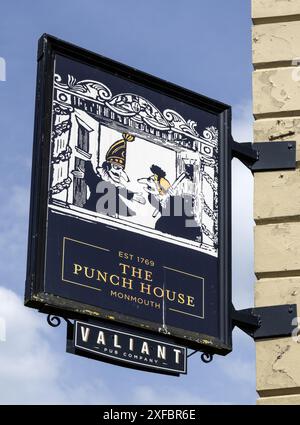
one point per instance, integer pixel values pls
(130, 207)
(86, 265)
(122, 346)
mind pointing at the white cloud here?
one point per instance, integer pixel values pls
(242, 122)
(13, 233)
(31, 371)
(242, 213)
(240, 370)
(18, 201)
(144, 394)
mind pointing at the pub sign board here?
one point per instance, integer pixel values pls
(130, 202)
(124, 347)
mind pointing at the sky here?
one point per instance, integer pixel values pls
(203, 45)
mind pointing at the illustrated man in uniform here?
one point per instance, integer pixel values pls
(108, 184)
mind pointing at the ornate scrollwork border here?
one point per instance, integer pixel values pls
(137, 108)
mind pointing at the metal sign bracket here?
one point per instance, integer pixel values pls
(266, 156)
(266, 322)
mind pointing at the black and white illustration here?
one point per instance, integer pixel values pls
(161, 167)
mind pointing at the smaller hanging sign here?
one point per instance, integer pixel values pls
(123, 347)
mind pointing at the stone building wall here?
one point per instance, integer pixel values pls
(276, 107)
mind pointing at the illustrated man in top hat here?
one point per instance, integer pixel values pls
(108, 185)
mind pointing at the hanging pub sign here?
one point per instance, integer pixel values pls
(130, 202)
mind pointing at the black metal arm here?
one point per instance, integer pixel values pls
(266, 156)
(265, 322)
